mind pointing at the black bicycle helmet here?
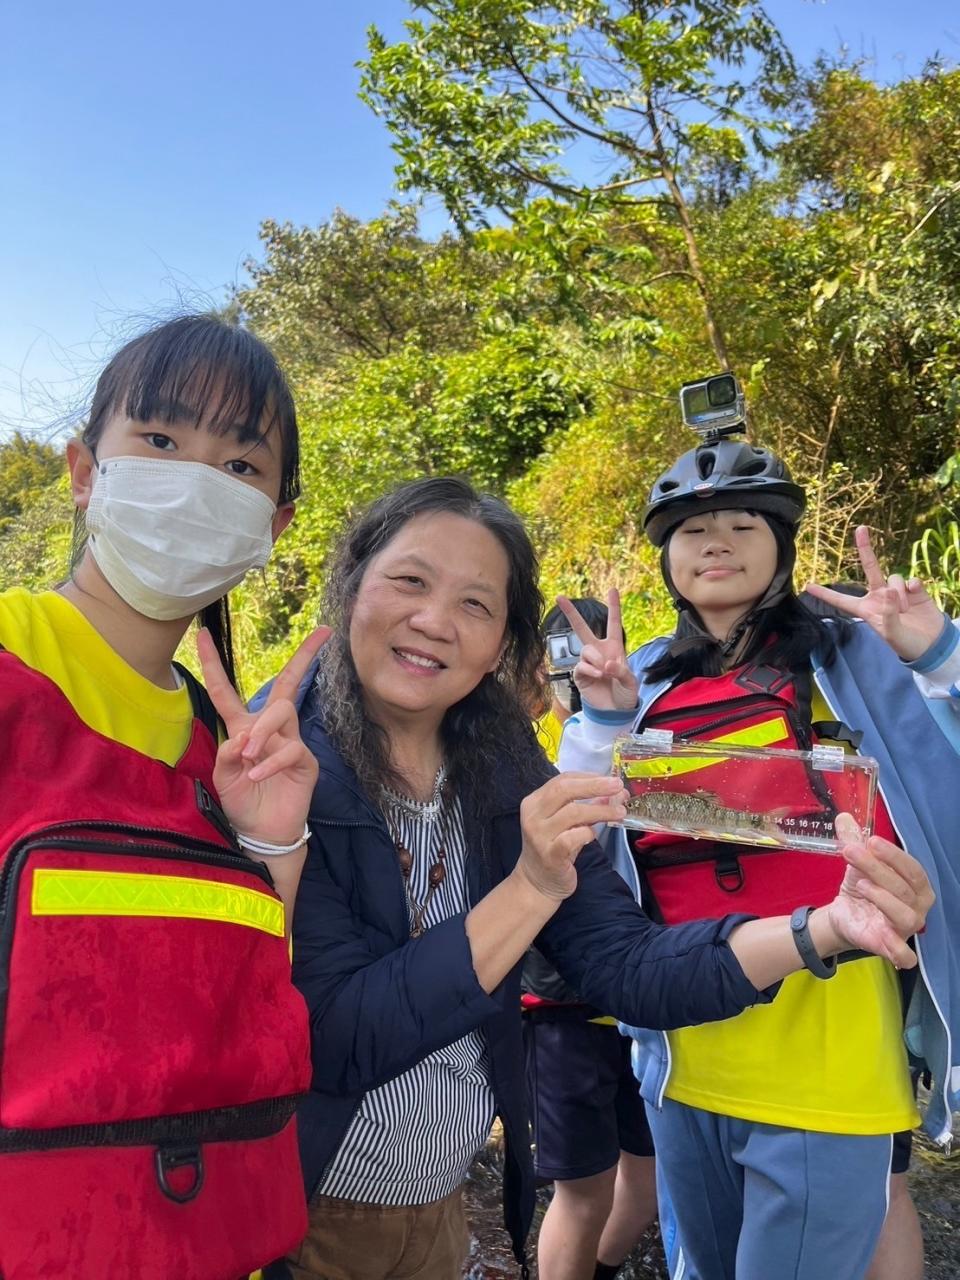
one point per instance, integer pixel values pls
(720, 476)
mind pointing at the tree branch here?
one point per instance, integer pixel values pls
(930, 212)
(562, 189)
(664, 275)
(618, 142)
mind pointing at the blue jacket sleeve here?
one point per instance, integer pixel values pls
(375, 1011)
(937, 672)
(642, 973)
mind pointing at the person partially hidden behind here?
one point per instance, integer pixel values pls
(590, 1132)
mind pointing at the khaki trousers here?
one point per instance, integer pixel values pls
(348, 1240)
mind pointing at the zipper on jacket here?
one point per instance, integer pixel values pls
(749, 700)
(321, 1176)
(370, 825)
(382, 827)
(667, 1070)
(510, 1147)
(944, 1139)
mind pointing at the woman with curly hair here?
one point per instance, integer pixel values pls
(442, 846)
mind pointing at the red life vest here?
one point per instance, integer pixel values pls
(688, 879)
(153, 1046)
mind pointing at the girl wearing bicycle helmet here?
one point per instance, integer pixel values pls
(773, 1129)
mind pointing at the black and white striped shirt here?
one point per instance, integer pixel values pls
(414, 1138)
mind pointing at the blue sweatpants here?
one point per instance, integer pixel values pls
(749, 1201)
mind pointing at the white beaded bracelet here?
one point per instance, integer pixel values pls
(266, 850)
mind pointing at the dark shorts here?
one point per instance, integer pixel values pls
(903, 1142)
(584, 1099)
(902, 1146)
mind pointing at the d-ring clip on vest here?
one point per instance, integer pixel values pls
(169, 1159)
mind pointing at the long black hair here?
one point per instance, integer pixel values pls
(490, 726)
(785, 631)
(222, 375)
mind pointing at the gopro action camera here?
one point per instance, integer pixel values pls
(713, 406)
(563, 651)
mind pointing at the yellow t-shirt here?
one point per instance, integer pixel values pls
(549, 730)
(49, 634)
(825, 1056)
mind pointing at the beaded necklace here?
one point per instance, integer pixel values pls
(441, 801)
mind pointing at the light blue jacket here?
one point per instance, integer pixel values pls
(910, 718)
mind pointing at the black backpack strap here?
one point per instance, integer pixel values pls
(803, 684)
(803, 728)
(203, 708)
(833, 730)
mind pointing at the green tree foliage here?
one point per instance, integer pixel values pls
(834, 276)
(841, 277)
(543, 355)
(485, 97)
(349, 290)
(935, 555)
(26, 468)
(35, 546)
(35, 513)
(486, 413)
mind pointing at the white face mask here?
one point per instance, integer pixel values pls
(172, 537)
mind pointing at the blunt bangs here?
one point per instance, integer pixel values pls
(202, 370)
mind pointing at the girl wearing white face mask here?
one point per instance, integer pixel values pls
(183, 477)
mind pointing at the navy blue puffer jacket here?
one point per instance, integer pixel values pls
(380, 1001)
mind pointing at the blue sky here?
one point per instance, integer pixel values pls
(140, 146)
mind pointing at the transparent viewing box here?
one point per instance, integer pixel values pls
(746, 795)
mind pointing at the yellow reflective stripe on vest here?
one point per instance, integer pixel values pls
(764, 734)
(124, 893)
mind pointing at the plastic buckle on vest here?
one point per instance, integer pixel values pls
(762, 678)
(729, 873)
(837, 731)
(169, 1159)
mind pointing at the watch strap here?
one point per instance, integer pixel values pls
(800, 929)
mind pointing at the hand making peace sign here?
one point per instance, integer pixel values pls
(602, 675)
(264, 775)
(901, 612)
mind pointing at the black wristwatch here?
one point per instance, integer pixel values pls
(819, 967)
